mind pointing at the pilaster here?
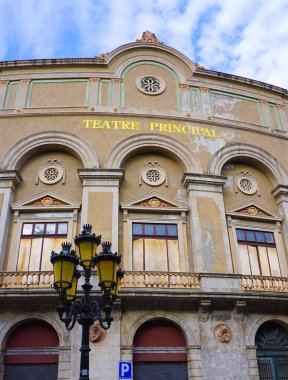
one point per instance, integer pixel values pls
(3, 90)
(210, 242)
(94, 92)
(283, 117)
(116, 92)
(207, 108)
(280, 193)
(21, 97)
(194, 364)
(268, 122)
(184, 90)
(8, 182)
(100, 201)
(64, 363)
(252, 362)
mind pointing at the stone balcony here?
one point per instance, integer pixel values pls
(169, 281)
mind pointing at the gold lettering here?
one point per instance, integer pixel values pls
(207, 132)
(199, 131)
(184, 129)
(106, 124)
(214, 133)
(176, 128)
(87, 122)
(97, 124)
(115, 123)
(153, 125)
(125, 124)
(163, 127)
(135, 125)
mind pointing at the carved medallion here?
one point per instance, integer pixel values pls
(252, 210)
(223, 333)
(48, 201)
(96, 333)
(153, 174)
(150, 85)
(246, 183)
(51, 172)
(154, 202)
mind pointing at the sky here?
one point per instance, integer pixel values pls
(242, 37)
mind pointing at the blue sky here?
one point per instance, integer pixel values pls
(242, 37)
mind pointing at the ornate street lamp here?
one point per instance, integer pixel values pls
(66, 276)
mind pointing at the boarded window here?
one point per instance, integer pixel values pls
(155, 247)
(37, 242)
(258, 253)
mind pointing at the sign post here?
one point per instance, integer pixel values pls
(125, 370)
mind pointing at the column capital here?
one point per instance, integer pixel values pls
(116, 80)
(94, 79)
(183, 87)
(10, 178)
(202, 179)
(101, 176)
(280, 193)
(204, 89)
(280, 106)
(4, 82)
(263, 102)
(25, 81)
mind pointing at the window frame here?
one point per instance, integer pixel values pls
(40, 217)
(256, 224)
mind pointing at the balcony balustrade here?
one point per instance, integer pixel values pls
(144, 280)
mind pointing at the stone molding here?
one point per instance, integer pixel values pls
(24, 149)
(123, 150)
(202, 179)
(10, 178)
(274, 168)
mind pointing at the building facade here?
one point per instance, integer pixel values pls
(185, 171)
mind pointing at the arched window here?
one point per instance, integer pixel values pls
(159, 352)
(32, 352)
(272, 351)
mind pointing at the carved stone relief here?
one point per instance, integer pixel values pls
(96, 333)
(246, 183)
(153, 174)
(223, 333)
(51, 172)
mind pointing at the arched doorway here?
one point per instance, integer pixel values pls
(32, 352)
(159, 352)
(272, 351)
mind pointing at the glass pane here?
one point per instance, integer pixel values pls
(240, 234)
(244, 259)
(173, 256)
(35, 257)
(156, 255)
(148, 229)
(264, 263)
(269, 237)
(160, 229)
(50, 228)
(24, 255)
(50, 244)
(27, 229)
(255, 269)
(250, 236)
(172, 229)
(138, 254)
(39, 229)
(260, 236)
(274, 263)
(137, 229)
(62, 228)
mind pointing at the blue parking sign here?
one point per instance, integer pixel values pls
(125, 370)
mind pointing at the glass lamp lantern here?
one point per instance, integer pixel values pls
(64, 264)
(119, 275)
(107, 265)
(87, 243)
(71, 292)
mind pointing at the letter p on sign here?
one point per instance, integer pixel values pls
(125, 370)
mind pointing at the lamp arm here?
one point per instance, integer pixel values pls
(105, 305)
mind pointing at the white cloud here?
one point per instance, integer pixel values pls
(244, 37)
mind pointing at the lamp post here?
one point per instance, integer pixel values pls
(66, 276)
